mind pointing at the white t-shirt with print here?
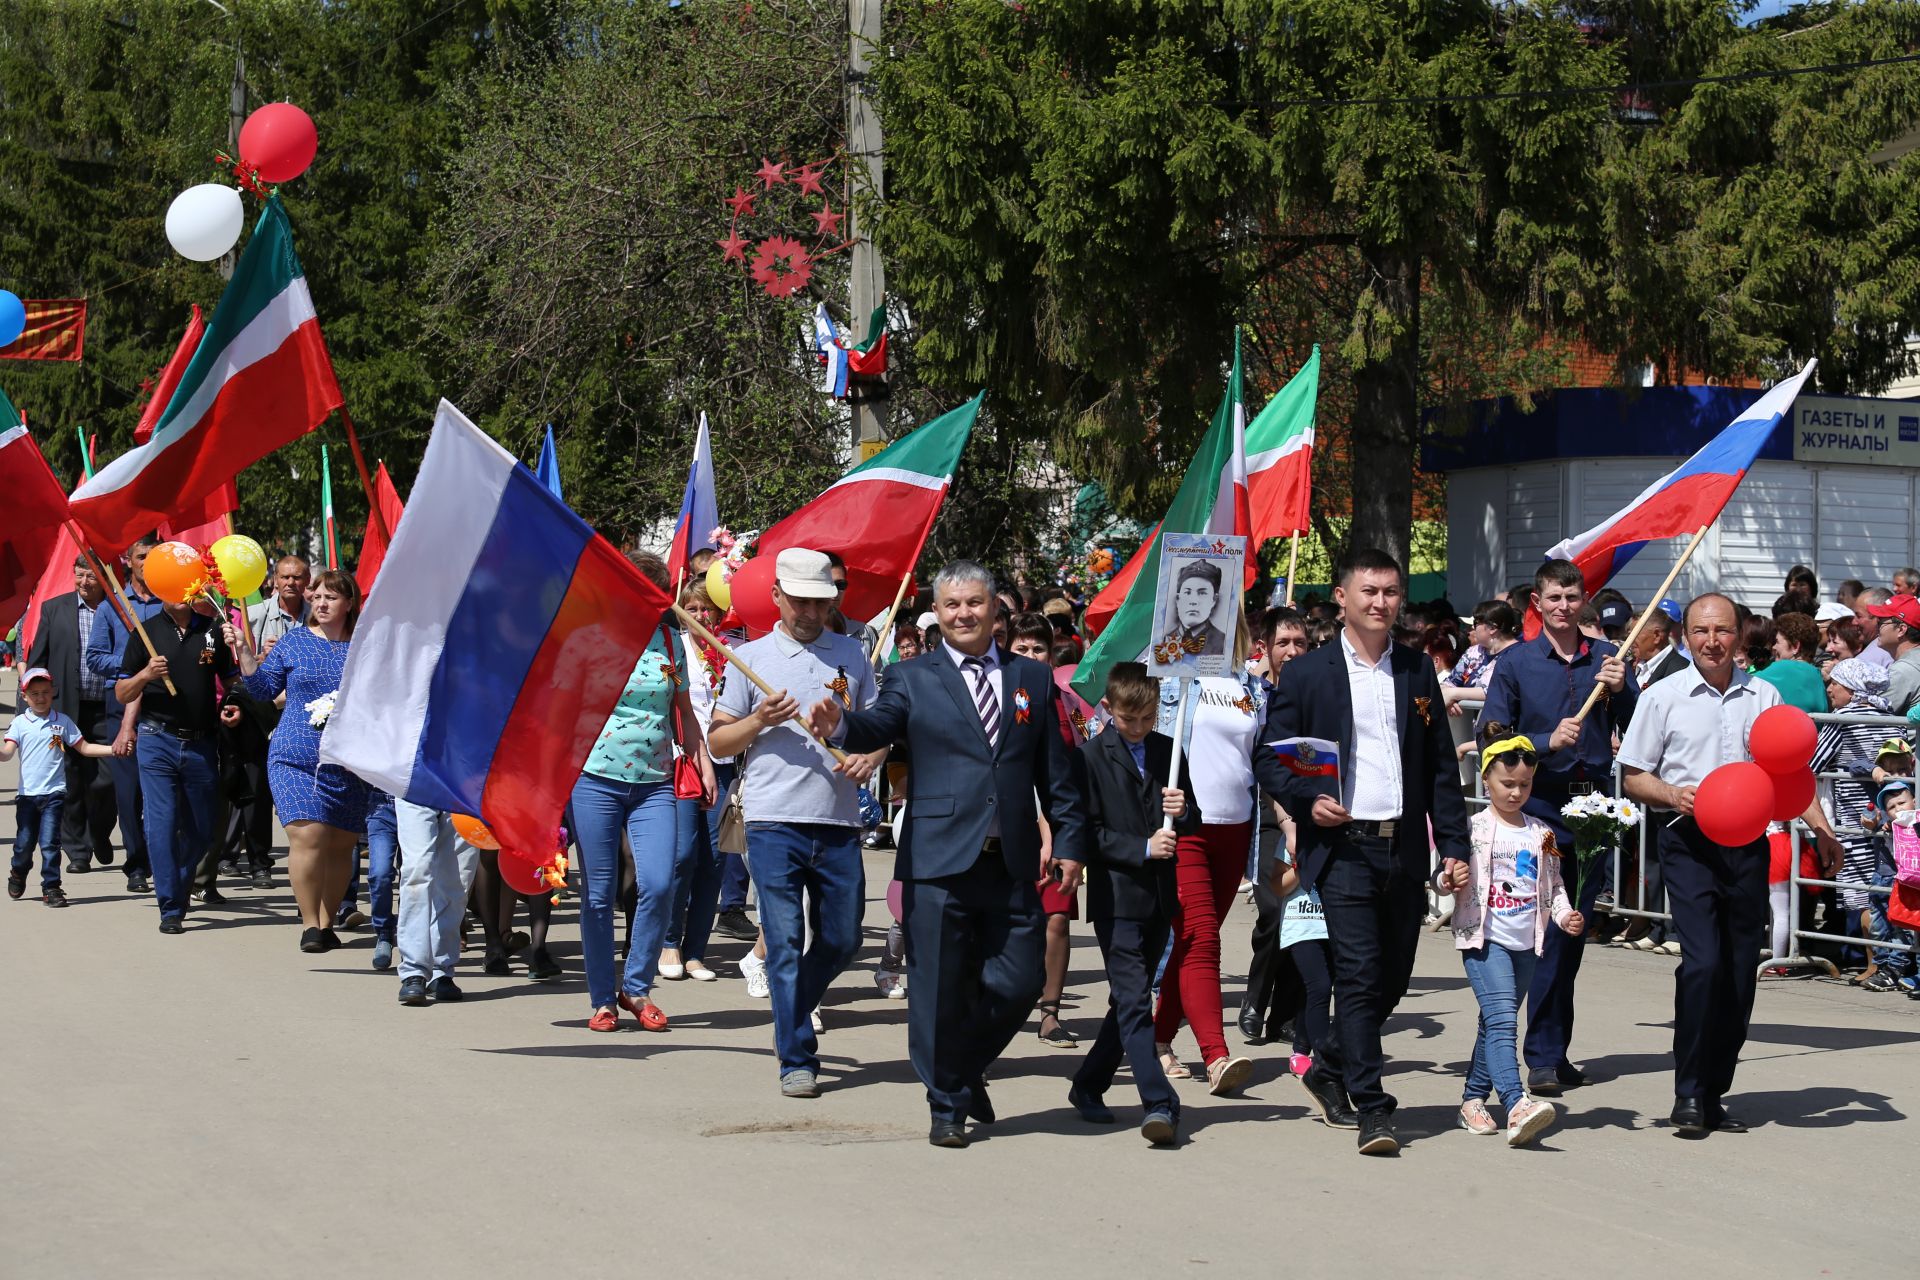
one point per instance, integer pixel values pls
(1513, 885)
(1220, 753)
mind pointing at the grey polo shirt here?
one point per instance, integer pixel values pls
(786, 776)
(1683, 728)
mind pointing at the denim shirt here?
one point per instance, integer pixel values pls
(109, 641)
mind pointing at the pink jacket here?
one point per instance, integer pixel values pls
(1470, 905)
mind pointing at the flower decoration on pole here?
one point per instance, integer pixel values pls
(782, 261)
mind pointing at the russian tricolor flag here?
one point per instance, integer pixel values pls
(493, 647)
(1686, 499)
(1309, 757)
(699, 510)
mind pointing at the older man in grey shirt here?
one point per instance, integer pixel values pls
(802, 809)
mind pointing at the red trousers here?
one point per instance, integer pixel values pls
(1207, 868)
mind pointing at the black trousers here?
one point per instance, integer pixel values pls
(86, 824)
(1273, 986)
(1131, 949)
(1719, 900)
(1550, 997)
(1374, 906)
(1314, 1027)
(976, 961)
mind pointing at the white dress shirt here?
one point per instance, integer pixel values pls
(1683, 728)
(1372, 778)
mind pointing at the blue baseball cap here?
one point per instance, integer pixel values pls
(1894, 784)
(1671, 609)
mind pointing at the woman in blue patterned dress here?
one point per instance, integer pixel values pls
(322, 806)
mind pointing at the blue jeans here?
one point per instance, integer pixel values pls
(647, 813)
(1499, 976)
(1897, 963)
(383, 858)
(178, 782)
(36, 819)
(696, 882)
(793, 862)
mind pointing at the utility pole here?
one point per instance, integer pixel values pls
(868, 287)
(236, 116)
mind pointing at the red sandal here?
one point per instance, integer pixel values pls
(646, 1012)
(604, 1020)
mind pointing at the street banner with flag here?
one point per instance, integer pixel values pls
(548, 472)
(699, 509)
(840, 361)
(168, 379)
(330, 539)
(1212, 499)
(373, 545)
(493, 648)
(876, 518)
(31, 518)
(1277, 459)
(56, 330)
(259, 379)
(1687, 498)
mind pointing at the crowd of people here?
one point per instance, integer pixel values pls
(1372, 766)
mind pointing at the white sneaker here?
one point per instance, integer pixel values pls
(818, 1026)
(1528, 1120)
(754, 970)
(889, 984)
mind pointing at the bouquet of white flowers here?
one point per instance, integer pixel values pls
(1597, 823)
(320, 709)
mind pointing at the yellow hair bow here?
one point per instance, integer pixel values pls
(1493, 751)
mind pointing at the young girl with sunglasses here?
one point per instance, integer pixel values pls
(1506, 898)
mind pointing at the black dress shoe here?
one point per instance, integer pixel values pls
(1253, 1024)
(1377, 1137)
(1543, 1082)
(947, 1133)
(413, 991)
(310, 941)
(1091, 1109)
(139, 883)
(1689, 1115)
(1721, 1120)
(171, 924)
(443, 991)
(1331, 1100)
(1570, 1076)
(104, 856)
(979, 1105)
(263, 879)
(79, 868)
(213, 897)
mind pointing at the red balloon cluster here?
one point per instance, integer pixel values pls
(279, 142)
(1736, 801)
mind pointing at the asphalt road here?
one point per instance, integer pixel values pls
(219, 1104)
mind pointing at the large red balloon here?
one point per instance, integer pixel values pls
(1734, 804)
(752, 587)
(522, 873)
(1792, 793)
(280, 141)
(1782, 739)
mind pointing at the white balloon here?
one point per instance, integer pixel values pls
(204, 222)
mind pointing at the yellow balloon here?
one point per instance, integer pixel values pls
(242, 564)
(718, 589)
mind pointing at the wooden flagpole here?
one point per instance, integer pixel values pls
(886, 623)
(1626, 645)
(1293, 567)
(693, 624)
(120, 600)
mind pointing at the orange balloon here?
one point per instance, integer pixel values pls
(474, 832)
(176, 573)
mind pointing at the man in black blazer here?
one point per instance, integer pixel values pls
(1363, 832)
(983, 730)
(60, 645)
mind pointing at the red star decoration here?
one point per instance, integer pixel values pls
(733, 248)
(807, 178)
(827, 222)
(767, 271)
(769, 174)
(741, 203)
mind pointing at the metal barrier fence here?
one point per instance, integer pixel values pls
(1794, 959)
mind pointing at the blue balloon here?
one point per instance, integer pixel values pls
(13, 318)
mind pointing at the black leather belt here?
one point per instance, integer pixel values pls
(1377, 829)
(184, 735)
(990, 845)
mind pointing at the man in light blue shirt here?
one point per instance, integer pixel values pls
(802, 809)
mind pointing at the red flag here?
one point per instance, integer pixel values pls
(373, 547)
(31, 519)
(56, 330)
(203, 523)
(56, 581)
(169, 377)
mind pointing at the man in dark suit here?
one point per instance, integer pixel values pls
(1363, 832)
(60, 645)
(983, 730)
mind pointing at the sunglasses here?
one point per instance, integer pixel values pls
(839, 584)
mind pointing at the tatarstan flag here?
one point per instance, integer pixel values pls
(1276, 461)
(259, 379)
(1212, 499)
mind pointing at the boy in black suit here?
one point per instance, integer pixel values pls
(1130, 892)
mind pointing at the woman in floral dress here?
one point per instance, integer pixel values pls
(322, 806)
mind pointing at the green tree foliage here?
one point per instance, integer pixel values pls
(1084, 200)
